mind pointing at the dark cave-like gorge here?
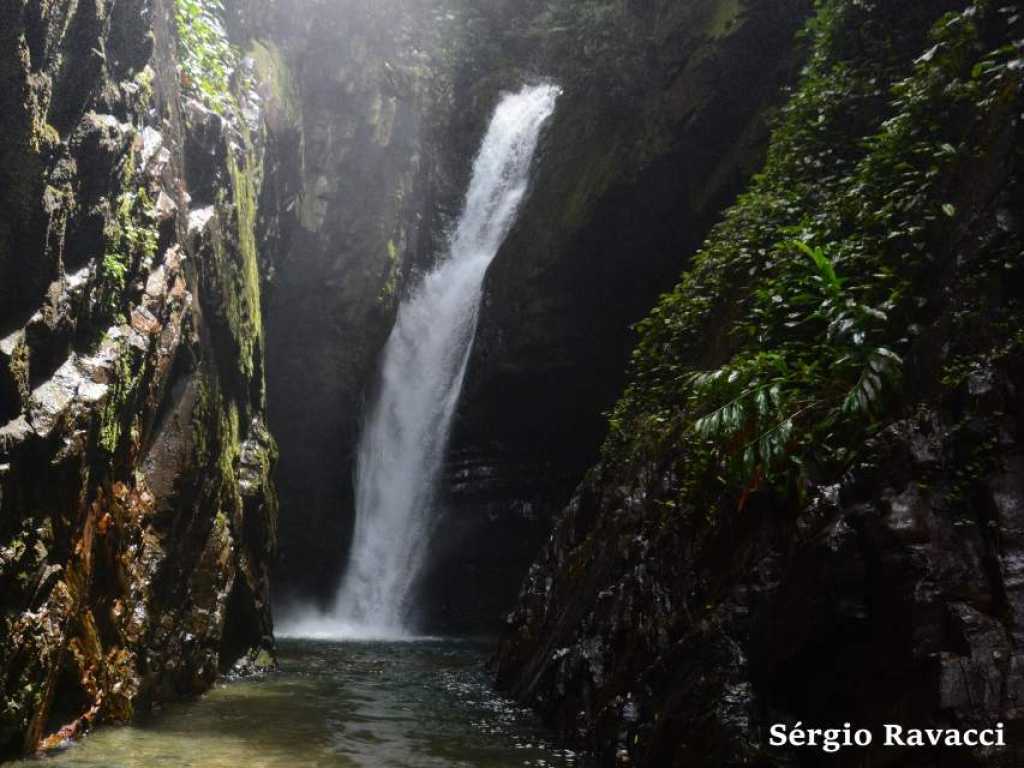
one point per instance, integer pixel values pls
(510, 382)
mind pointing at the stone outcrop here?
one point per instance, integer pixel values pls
(137, 513)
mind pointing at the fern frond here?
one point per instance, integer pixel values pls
(883, 370)
(733, 417)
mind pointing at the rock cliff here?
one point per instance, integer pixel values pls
(662, 120)
(346, 193)
(808, 506)
(137, 513)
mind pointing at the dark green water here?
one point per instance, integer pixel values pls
(336, 705)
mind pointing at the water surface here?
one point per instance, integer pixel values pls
(336, 705)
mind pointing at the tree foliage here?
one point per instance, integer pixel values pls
(782, 348)
(208, 60)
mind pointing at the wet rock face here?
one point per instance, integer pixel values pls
(347, 180)
(897, 591)
(137, 515)
(485, 540)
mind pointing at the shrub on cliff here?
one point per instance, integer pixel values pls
(781, 349)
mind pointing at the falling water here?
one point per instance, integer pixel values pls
(404, 439)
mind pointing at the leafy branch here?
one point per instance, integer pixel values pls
(208, 59)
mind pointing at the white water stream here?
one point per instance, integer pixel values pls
(405, 435)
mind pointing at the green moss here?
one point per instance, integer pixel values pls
(130, 239)
(724, 16)
(264, 659)
(221, 524)
(120, 406)
(272, 71)
(239, 269)
(215, 431)
(230, 448)
(19, 368)
(144, 79)
(45, 137)
(208, 60)
(394, 265)
(139, 93)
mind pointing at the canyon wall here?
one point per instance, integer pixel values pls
(137, 511)
(345, 197)
(808, 506)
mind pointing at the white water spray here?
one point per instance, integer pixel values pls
(403, 443)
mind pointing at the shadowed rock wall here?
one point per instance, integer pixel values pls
(688, 600)
(347, 192)
(137, 514)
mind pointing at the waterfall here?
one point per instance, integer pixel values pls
(403, 443)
